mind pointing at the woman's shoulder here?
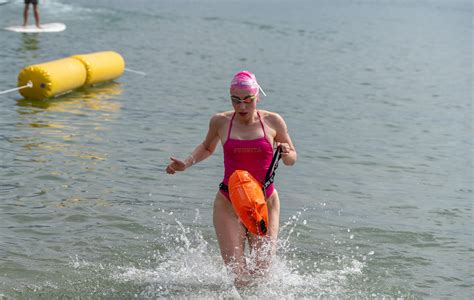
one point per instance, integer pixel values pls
(271, 117)
(221, 118)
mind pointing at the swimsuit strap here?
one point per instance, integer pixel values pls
(230, 126)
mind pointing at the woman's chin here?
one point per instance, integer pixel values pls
(243, 114)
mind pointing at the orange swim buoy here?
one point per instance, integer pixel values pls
(249, 202)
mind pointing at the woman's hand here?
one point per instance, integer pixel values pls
(285, 149)
(175, 165)
(288, 154)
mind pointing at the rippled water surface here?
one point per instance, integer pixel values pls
(377, 96)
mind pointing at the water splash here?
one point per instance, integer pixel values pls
(189, 265)
(184, 261)
(184, 265)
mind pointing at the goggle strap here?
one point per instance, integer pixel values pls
(261, 90)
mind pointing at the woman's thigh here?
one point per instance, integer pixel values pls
(230, 233)
(273, 206)
(265, 246)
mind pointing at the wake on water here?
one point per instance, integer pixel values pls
(189, 266)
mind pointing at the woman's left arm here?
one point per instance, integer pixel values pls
(282, 138)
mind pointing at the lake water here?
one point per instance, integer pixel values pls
(377, 96)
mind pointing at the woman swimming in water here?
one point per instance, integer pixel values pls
(247, 136)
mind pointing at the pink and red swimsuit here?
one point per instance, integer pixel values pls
(254, 156)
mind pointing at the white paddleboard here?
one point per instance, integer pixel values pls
(50, 27)
(4, 2)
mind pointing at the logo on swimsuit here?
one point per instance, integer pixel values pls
(248, 150)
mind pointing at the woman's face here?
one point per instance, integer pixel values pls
(244, 102)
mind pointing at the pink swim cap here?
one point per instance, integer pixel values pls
(245, 80)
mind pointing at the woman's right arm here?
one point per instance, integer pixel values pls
(202, 151)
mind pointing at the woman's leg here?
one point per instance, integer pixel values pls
(37, 18)
(231, 236)
(264, 247)
(25, 14)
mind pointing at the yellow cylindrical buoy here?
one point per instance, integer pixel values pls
(52, 78)
(102, 66)
(63, 75)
